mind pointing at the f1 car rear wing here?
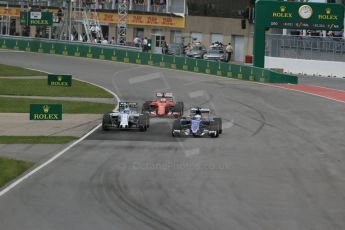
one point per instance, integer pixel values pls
(199, 111)
(130, 105)
(164, 94)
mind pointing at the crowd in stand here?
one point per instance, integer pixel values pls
(313, 33)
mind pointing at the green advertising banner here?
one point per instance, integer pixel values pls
(59, 80)
(45, 112)
(24, 18)
(34, 18)
(301, 15)
(40, 18)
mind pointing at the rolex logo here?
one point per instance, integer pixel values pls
(282, 9)
(59, 78)
(45, 108)
(45, 111)
(328, 10)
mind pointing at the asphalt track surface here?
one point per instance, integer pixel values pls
(279, 163)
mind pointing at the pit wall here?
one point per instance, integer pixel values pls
(76, 49)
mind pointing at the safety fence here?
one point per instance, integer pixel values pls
(328, 48)
(241, 72)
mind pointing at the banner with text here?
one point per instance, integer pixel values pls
(59, 80)
(45, 111)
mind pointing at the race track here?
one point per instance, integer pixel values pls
(279, 163)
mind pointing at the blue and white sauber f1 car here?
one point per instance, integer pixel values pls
(198, 124)
(126, 117)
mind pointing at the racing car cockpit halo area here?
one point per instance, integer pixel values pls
(128, 107)
(204, 113)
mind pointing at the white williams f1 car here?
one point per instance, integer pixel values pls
(126, 117)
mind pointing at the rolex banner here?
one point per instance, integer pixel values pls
(45, 111)
(59, 80)
(33, 18)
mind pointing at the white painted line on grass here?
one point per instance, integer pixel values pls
(37, 70)
(16, 182)
(108, 90)
(35, 170)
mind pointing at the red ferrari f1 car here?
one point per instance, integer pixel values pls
(164, 106)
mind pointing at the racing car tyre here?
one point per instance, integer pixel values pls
(147, 120)
(178, 108)
(146, 107)
(176, 126)
(142, 123)
(220, 127)
(106, 120)
(215, 127)
(182, 107)
(143, 128)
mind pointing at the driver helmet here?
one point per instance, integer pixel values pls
(198, 116)
(126, 110)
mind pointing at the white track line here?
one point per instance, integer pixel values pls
(16, 182)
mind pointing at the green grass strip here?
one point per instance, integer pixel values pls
(40, 87)
(10, 169)
(9, 71)
(22, 105)
(36, 139)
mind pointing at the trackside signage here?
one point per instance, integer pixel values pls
(33, 18)
(297, 15)
(59, 80)
(45, 111)
(293, 15)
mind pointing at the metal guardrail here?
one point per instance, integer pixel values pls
(306, 47)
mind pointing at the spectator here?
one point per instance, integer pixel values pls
(145, 42)
(164, 48)
(60, 14)
(188, 47)
(137, 42)
(338, 34)
(112, 41)
(229, 51)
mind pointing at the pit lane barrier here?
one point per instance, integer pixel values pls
(135, 56)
